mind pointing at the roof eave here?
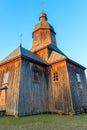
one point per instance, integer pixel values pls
(22, 56)
(8, 61)
(57, 61)
(33, 60)
(3, 87)
(75, 63)
(44, 29)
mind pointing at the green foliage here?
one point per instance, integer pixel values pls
(44, 122)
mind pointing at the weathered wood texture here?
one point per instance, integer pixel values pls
(49, 89)
(78, 89)
(33, 94)
(2, 100)
(61, 89)
(43, 36)
(12, 93)
(38, 86)
(43, 53)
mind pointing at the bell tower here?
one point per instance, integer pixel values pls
(42, 36)
(43, 32)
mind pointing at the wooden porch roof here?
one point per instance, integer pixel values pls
(3, 87)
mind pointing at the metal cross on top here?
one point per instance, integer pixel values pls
(21, 35)
(43, 6)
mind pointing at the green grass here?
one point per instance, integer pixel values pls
(44, 122)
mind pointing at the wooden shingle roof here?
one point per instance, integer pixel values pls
(75, 63)
(56, 49)
(22, 52)
(57, 55)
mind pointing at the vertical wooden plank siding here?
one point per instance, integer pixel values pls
(12, 93)
(33, 94)
(61, 89)
(78, 89)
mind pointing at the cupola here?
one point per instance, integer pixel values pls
(43, 33)
(43, 17)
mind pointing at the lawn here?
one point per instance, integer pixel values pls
(44, 122)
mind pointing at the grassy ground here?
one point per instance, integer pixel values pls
(44, 122)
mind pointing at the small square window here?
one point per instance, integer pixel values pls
(55, 76)
(36, 75)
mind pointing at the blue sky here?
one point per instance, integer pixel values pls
(68, 17)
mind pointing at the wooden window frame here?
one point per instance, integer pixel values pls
(5, 78)
(78, 77)
(55, 76)
(36, 75)
(35, 37)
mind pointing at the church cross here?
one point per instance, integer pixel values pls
(43, 6)
(21, 35)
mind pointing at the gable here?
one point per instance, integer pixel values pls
(13, 55)
(56, 49)
(55, 57)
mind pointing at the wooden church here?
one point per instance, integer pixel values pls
(42, 79)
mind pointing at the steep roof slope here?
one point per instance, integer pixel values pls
(20, 51)
(56, 49)
(57, 55)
